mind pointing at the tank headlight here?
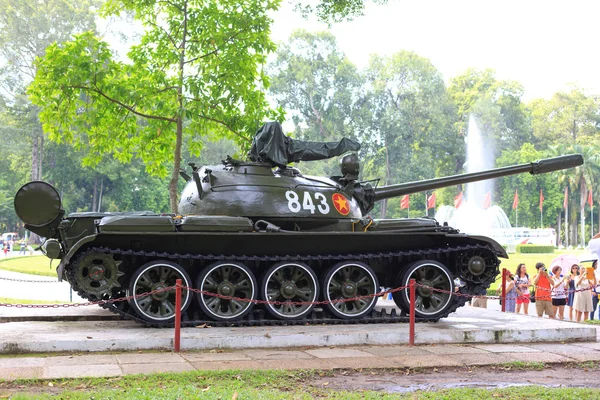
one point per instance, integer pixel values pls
(52, 248)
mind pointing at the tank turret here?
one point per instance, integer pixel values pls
(261, 230)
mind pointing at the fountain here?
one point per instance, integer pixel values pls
(471, 216)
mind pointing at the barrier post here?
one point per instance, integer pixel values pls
(503, 291)
(411, 333)
(176, 341)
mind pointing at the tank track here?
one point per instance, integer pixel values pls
(258, 317)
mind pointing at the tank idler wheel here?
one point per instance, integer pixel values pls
(347, 280)
(157, 275)
(477, 266)
(96, 274)
(289, 282)
(428, 303)
(230, 279)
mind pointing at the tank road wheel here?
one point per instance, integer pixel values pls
(156, 275)
(289, 282)
(428, 303)
(232, 279)
(347, 280)
(96, 274)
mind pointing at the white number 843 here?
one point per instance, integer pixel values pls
(307, 202)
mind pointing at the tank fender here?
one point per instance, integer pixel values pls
(64, 261)
(500, 251)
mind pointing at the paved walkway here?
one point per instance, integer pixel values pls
(108, 365)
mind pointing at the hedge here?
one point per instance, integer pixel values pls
(534, 248)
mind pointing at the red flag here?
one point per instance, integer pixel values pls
(404, 202)
(590, 202)
(487, 200)
(431, 201)
(516, 200)
(566, 200)
(458, 200)
(541, 200)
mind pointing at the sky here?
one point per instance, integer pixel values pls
(545, 45)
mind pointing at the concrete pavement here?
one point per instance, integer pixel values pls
(467, 325)
(327, 358)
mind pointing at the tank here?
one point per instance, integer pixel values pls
(303, 247)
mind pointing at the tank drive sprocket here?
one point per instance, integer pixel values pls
(96, 274)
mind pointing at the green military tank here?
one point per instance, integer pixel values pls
(261, 230)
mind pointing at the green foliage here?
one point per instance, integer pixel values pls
(528, 187)
(534, 249)
(410, 121)
(334, 10)
(567, 118)
(323, 91)
(195, 72)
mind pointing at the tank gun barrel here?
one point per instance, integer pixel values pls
(538, 167)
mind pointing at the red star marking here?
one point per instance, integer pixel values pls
(340, 203)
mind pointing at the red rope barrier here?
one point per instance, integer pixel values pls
(176, 341)
(411, 333)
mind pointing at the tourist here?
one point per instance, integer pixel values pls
(480, 301)
(559, 292)
(583, 295)
(596, 291)
(510, 292)
(23, 247)
(571, 290)
(522, 286)
(543, 299)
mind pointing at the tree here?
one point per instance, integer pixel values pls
(496, 105)
(27, 27)
(528, 187)
(320, 88)
(411, 118)
(334, 10)
(195, 72)
(565, 118)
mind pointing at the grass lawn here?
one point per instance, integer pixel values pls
(35, 265)
(530, 260)
(275, 384)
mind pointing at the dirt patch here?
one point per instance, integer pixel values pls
(490, 377)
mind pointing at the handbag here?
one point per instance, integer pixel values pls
(532, 296)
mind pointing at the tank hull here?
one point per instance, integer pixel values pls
(388, 248)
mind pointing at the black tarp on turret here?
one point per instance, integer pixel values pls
(272, 146)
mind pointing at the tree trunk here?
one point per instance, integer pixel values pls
(173, 193)
(573, 226)
(176, 165)
(95, 194)
(41, 156)
(34, 158)
(100, 195)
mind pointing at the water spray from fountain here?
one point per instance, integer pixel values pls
(471, 216)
